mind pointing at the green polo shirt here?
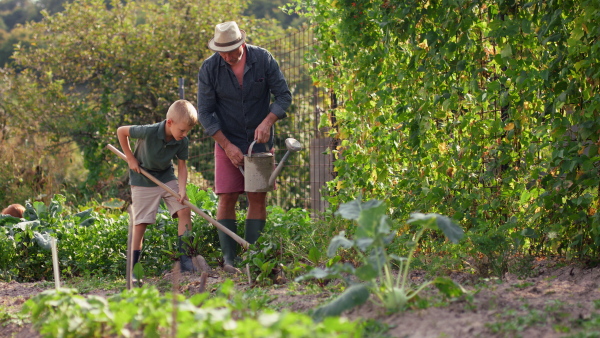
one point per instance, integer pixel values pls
(155, 154)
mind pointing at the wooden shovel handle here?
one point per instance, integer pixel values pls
(212, 221)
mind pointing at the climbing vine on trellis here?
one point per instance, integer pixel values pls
(484, 110)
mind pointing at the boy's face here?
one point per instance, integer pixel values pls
(178, 130)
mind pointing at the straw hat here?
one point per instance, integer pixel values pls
(228, 37)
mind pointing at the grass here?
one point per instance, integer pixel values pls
(89, 283)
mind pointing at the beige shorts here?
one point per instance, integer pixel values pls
(146, 201)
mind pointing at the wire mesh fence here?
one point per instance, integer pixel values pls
(307, 171)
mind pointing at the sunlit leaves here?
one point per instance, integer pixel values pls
(511, 91)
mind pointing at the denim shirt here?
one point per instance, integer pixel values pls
(237, 110)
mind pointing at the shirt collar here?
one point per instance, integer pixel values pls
(161, 130)
(162, 136)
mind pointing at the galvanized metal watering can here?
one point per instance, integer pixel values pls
(259, 168)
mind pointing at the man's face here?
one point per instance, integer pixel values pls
(233, 57)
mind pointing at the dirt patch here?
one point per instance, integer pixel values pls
(12, 297)
(552, 303)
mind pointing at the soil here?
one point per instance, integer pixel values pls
(553, 302)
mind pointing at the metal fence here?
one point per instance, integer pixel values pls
(305, 172)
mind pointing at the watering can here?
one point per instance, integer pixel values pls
(259, 175)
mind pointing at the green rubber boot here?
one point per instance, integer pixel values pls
(254, 228)
(229, 246)
(185, 261)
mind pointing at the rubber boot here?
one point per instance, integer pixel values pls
(136, 259)
(254, 228)
(228, 245)
(185, 261)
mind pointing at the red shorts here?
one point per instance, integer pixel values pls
(228, 178)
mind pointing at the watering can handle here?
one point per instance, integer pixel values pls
(250, 148)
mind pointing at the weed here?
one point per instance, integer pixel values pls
(522, 266)
(90, 282)
(523, 285)
(375, 329)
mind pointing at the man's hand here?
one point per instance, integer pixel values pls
(235, 155)
(262, 133)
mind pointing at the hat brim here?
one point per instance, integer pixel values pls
(212, 46)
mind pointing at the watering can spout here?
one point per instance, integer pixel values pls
(292, 146)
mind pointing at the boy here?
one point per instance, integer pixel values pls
(156, 146)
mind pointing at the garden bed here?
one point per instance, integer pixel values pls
(558, 300)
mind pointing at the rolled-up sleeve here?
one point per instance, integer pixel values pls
(279, 89)
(207, 101)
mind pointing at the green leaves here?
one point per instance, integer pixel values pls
(450, 107)
(351, 297)
(434, 221)
(371, 242)
(146, 312)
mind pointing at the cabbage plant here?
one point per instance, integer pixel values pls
(375, 273)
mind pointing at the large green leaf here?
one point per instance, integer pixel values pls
(448, 287)
(339, 241)
(353, 296)
(353, 209)
(452, 230)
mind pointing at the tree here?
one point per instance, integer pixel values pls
(117, 66)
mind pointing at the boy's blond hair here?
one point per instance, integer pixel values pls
(182, 111)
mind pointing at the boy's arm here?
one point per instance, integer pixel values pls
(123, 135)
(182, 180)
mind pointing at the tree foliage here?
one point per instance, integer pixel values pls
(95, 67)
(484, 110)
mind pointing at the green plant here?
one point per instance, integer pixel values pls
(289, 242)
(145, 311)
(373, 235)
(483, 110)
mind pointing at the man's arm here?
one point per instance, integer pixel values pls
(207, 100)
(233, 152)
(182, 175)
(279, 88)
(283, 98)
(123, 135)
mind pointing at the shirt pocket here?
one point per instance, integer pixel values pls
(257, 88)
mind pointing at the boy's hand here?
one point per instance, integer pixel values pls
(134, 165)
(183, 195)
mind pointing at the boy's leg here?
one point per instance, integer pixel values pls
(145, 202)
(138, 235)
(184, 217)
(184, 223)
(138, 238)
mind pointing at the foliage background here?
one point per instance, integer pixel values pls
(486, 111)
(79, 73)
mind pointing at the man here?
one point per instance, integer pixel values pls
(234, 106)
